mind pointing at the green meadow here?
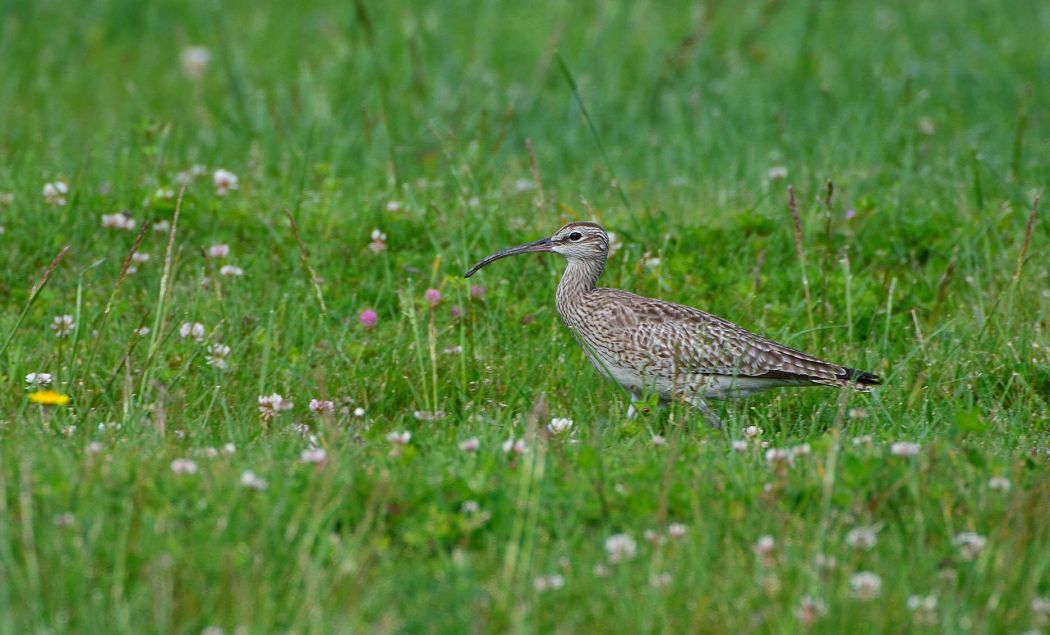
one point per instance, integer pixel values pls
(245, 388)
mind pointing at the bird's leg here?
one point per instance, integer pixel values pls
(708, 413)
(632, 411)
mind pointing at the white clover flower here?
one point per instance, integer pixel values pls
(38, 379)
(162, 227)
(220, 250)
(752, 431)
(313, 455)
(863, 537)
(970, 544)
(516, 446)
(620, 547)
(810, 609)
(394, 206)
(764, 546)
(225, 181)
(118, 220)
(551, 582)
(271, 405)
(559, 425)
(251, 480)
(195, 61)
(194, 330)
(231, 271)
(470, 445)
(55, 193)
(228, 449)
(322, 406)
(865, 585)
(1000, 483)
(905, 448)
(63, 325)
(676, 530)
(359, 411)
(217, 354)
(399, 438)
(739, 445)
(780, 457)
(184, 466)
(776, 173)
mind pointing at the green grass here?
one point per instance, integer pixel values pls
(929, 118)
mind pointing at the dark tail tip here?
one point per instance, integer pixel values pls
(861, 377)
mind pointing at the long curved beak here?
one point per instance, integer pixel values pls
(544, 244)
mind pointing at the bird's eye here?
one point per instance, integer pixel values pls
(574, 236)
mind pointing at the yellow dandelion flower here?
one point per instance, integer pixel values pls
(49, 398)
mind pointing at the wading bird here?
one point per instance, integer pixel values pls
(672, 350)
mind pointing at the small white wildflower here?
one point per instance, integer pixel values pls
(322, 406)
(195, 61)
(620, 547)
(393, 206)
(970, 544)
(676, 530)
(426, 415)
(453, 350)
(271, 405)
(802, 449)
(905, 448)
(764, 546)
(865, 585)
(231, 271)
(228, 448)
(162, 227)
(359, 411)
(140, 258)
(217, 354)
(524, 185)
(780, 457)
(862, 537)
(739, 445)
(94, 448)
(251, 480)
(857, 413)
(184, 466)
(118, 220)
(313, 455)
(470, 507)
(660, 580)
(1000, 483)
(470, 445)
(862, 440)
(55, 193)
(219, 250)
(516, 446)
(38, 379)
(825, 562)
(63, 325)
(659, 439)
(923, 608)
(142, 331)
(192, 329)
(777, 173)
(559, 425)
(225, 181)
(551, 582)
(752, 431)
(810, 609)
(399, 438)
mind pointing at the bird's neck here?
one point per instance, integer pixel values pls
(579, 278)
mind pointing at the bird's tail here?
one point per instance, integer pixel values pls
(862, 380)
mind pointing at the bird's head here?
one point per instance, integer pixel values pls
(575, 241)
